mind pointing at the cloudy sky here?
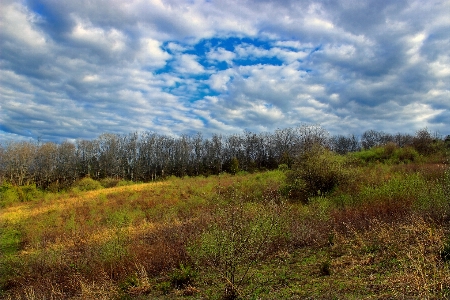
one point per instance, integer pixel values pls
(76, 69)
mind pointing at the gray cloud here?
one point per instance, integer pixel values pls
(77, 69)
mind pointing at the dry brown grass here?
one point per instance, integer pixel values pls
(126, 241)
(403, 256)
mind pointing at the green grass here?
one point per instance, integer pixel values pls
(380, 233)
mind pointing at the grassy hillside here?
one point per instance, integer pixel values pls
(380, 231)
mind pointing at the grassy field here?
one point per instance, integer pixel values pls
(382, 233)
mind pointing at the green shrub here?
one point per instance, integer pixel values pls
(129, 282)
(8, 194)
(30, 192)
(398, 189)
(390, 153)
(125, 183)
(370, 155)
(242, 235)
(234, 165)
(181, 277)
(10, 241)
(405, 154)
(316, 172)
(87, 184)
(283, 167)
(109, 182)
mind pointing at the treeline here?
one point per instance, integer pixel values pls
(150, 156)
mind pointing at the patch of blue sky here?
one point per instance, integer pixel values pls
(183, 90)
(38, 8)
(229, 44)
(217, 65)
(52, 21)
(251, 61)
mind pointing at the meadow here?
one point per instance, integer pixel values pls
(373, 224)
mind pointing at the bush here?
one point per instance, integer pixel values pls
(87, 184)
(316, 172)
(242, 235)
(179, 278)
(8, 194)
(109, 182)
(406, 154)
(387, 153)
(283, 167)
(234, 168)
(29, 192)
(125, 183)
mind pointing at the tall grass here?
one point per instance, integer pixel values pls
(240, 235)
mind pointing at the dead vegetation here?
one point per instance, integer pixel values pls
(380, 231)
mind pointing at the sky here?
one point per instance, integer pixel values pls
(76, 69)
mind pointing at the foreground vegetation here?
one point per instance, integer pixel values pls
(372, 224)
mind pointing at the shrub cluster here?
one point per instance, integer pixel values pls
(316, 171)
(10, 194)
(390, 153)
(87, 184)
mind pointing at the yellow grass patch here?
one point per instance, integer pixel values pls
(20, 212)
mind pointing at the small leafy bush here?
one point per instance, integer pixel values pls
(283, 167)
(8, 194)
(389, 153)
(87, 184)
(242, 235)
(30, 192)
(109, 182)
(316, 172)
(405, 154)
(181, 277)
(125, 183)
(370, 155)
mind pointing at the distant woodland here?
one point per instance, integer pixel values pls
(148, 156)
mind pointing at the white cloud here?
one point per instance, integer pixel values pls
(151, 53)
(83, 68)
(187, 63)
(111, 40)
(221, 54)
(287, 56)
(19, 24)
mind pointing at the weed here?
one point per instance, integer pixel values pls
(445, 252)
(164, 287)
(325, 268)
(10, 241)
(128, 283)
(182, 276)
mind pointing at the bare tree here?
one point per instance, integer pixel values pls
(19, 157)
(45, 164)
(310, 136)
(344, 144)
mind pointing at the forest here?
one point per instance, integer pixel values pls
(147, 156)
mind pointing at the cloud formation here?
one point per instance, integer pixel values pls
(71, 70)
